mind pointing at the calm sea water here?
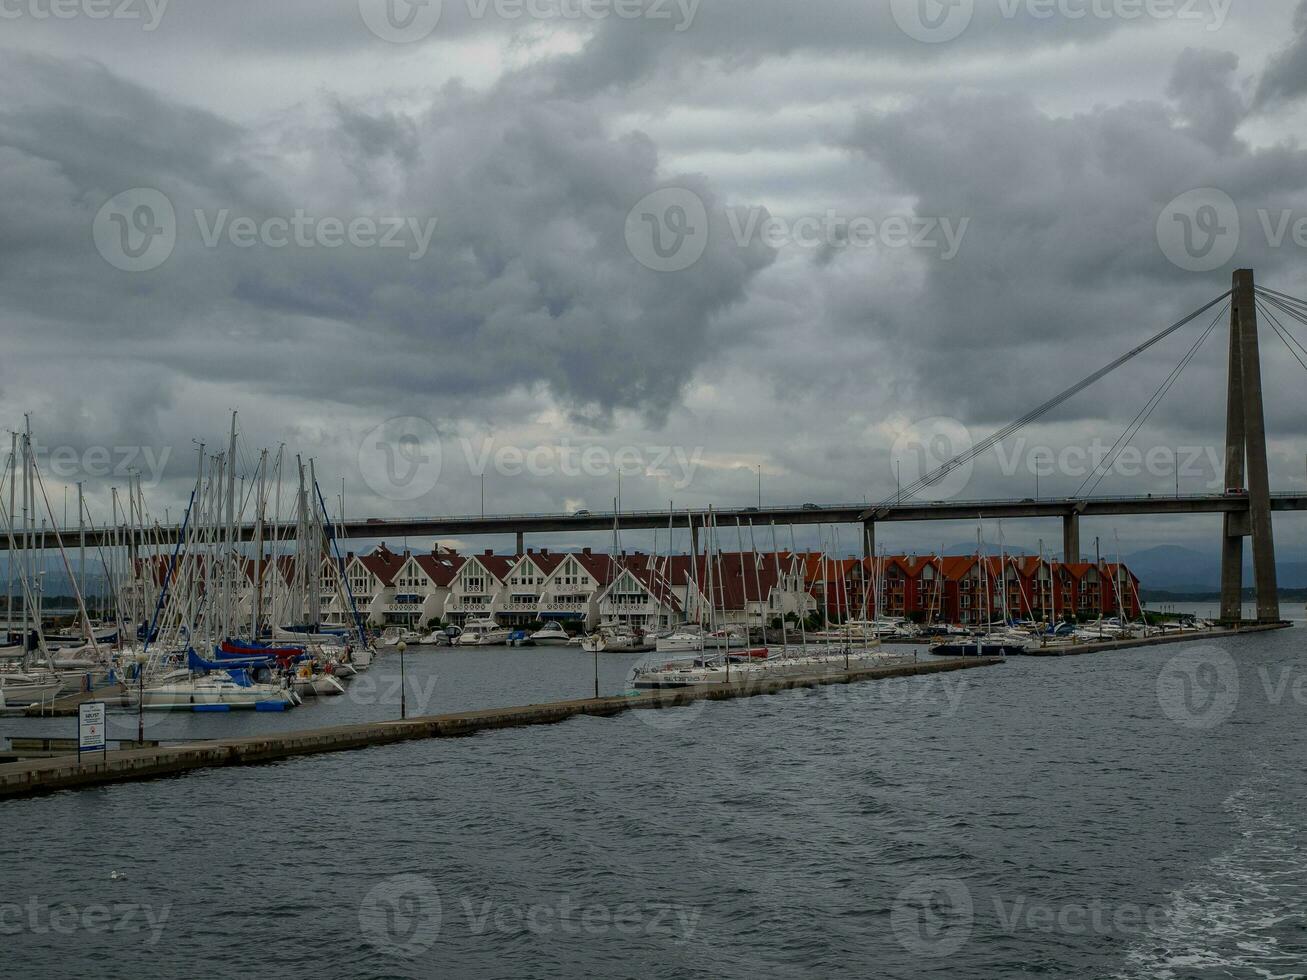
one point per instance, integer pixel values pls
(1138, 815)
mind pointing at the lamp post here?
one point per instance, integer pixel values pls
(403, 698)
(140, 700)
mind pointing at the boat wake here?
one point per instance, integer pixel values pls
(1241, 917)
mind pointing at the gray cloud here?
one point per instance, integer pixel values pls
(1285, 78)
(1060, 139)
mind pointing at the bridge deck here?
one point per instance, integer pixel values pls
(907, 511)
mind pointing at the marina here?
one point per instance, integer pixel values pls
(653, 490)
(49, 775)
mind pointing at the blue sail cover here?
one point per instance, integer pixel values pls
(199, 665)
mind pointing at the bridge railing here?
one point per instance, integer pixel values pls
(69, 534)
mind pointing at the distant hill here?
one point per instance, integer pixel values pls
(1172, 568)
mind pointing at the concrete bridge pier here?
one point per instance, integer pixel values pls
(869, 539)
(521, 543)
(1245, 456)
(1071, 537)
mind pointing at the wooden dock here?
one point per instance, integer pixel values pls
(35, 776)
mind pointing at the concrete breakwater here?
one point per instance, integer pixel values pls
(35, 776)
(1107, 646)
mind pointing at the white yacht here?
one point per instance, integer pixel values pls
(551, 634)
(613, 638)
(734, 637)
(483, 633)
(17, 690)
(220, 691)
(682, 639)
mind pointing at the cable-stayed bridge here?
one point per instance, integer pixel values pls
(1246, 505)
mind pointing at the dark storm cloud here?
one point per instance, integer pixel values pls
(739, 34)
(1061, 269)
(527, 278)
(1285, 78)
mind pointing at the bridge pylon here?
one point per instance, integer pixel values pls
(1246, 465)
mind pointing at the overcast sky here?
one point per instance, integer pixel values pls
(821, 238)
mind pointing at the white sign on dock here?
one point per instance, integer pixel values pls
(91, 728)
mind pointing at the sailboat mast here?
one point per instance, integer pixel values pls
(258, 548)
(9, 558)
(313, 582)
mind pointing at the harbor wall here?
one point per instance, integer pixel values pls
(36, 776)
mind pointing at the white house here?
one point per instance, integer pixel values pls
(524, 585)
(641, 597)
(477, 590)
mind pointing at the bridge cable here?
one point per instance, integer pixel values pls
(940, 472)
(1298, 314)
(1146, 412)
(1282, 332)
(1267, 292)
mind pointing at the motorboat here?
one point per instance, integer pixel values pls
(483, 633)
(552, 634)
(306, 682)
(994, 645)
